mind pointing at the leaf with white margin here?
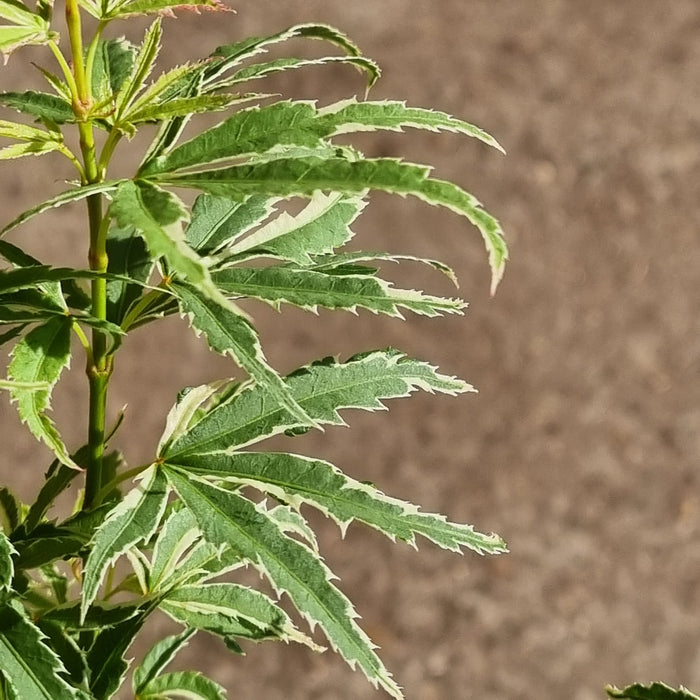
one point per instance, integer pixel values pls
(322, 389)
(291, 567)
(229, 333)
(27, 664)
(7, 568)
(297, 480)
(286, 177)
(185, 684)
(310, 290)
(131, 521)
(157, 658)
(321, 227)
(232, 610)
(41, 356)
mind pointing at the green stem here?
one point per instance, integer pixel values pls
(99, 363)
(75, 34)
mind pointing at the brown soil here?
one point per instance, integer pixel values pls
(582, 447)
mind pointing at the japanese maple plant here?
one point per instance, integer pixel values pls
(277, 196)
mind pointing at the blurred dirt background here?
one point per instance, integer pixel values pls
(582, 447)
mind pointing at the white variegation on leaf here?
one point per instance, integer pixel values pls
(41, 356)
(292, 521)
(157, 658)
(297, 480)
(27, 664)
(7, 569)
(179, 534)
(180, 416)
(72, 195)
(230, 333)
(182, 684)
(303, 176)
(218, 222)
(311, 290)
(232, 610)
(131, 521)
(321, 227)
(291, 567)
(322, 389)
(232, 55)
(25, 27)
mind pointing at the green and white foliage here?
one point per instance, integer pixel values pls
(653, 691)
(278, 190)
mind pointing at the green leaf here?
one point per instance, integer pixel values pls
(292, 521)
(322, 226)
(178, 535)
(57, 480)
(351, 116)
(169, 85)
(17, 12)
(260, 129)
(655, 691)
(158, 215)
(231, 610)
(60, 86)
(142, 65)
(234, 54)
(65, 647)
(24, 132)
(9, 385)
(187, 684)
(228, 333)
(72, 656)
(26, 662)
(217, 221)
(310, 290)
(128, 258)
(47, 544)
(10, 335)
(50, 290)
(190, 402)
(106, 656)
(303, 176)
(157, 658)
(262, 70)
(339, 262)
(30, 27)
(39, 104)
(227, 518)
(99, 616)
(112, 67)
(183, 106)
(41, 276)
(34, 148)
(132, 521)
(171, 129)
(181, 556)
(7, 568)
(295, 479)
(66, 197)
(321, 389)
(41, 357)
(249, 131)
(34, 141)
(127, 8)
(10, 510)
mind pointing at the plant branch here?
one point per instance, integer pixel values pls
(99, 363)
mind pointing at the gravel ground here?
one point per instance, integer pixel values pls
(581, 448)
